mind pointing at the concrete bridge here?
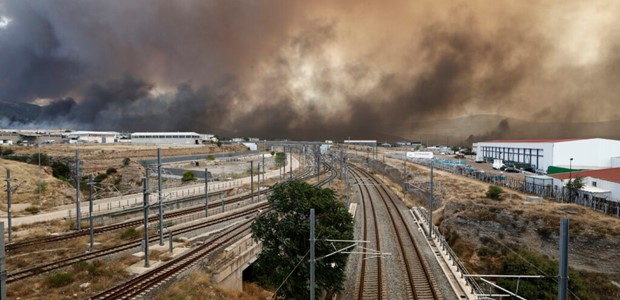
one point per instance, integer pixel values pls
(228, 269)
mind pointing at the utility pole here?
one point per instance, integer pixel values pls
(8, 205)
(290, 153)
(159, 199)
(430, 225)
(384, 165)
(39, 147)
(563, 284)
(146, 194)
(318, 165)
(341, 164)
(312, 221)
(251, 181)
(206, 192)
(258, 184)
(90, 213)
(77, 190)
(263, 167)
(404, 177)
(2, 264)
(346, 168)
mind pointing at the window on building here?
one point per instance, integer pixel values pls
(594, 183)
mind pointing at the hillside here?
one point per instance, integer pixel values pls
(484, 232)
(19, 112)
(484, 127)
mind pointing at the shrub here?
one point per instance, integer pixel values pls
(219, 144)
(130, 234)
(210, 157)
(188, 176)
(494, 191)
(110, 171)
(60, 170)
(4, 152)
(34, 159)
(59, 279)
(100, 177)
(126, 161)
(32, 210)
(544, 232)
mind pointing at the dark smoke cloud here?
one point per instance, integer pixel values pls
(310, 69)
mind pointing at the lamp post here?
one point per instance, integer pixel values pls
(570, 179)
(570, 170)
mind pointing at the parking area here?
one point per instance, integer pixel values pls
(486, 167)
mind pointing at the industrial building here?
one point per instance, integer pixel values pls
(603, 183)
(101, 137)
(361, 142)
(581, 154)
(166, 138)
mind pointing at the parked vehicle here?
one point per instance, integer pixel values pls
(498, 164)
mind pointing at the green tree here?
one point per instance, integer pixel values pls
(574, 185)
(494, 191)
(188, 176)
(61, 170)
(34, 159)
(280, 159)
(284, 232)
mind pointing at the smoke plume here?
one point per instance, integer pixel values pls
(310, 69)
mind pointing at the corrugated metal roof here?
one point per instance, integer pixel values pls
(612, 174)
(534, 141)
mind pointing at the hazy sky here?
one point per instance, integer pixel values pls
(308, 69)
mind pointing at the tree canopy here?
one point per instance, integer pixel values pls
(576, 183)
(280, 159)
(285, 231)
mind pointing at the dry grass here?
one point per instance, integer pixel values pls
(26, 179)
(515, 223)
(100, 275)
(96, 159)
(198, 285)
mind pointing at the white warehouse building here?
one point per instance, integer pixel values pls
(592, 153)
(101, 137)
(166, 138)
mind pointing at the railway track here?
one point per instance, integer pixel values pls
(371, 275)
(13, 247)
(39, 269)
(421, 284)
(30, 272)
(142, 283)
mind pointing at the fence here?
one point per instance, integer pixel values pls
(443, 244)
(564, 195)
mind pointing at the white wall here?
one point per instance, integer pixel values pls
(605, 185)
(613, 187)
(546, 151)
(251, 146)
(590, 153)
(158, 141)
(615, 162)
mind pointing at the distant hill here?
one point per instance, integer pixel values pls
(487, 127)
(19, 112)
